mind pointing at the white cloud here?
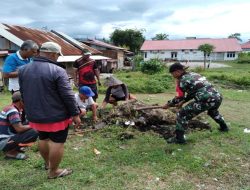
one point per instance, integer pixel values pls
(178, 18)
(218, 20)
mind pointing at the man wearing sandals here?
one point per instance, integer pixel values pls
(50, 104)
(12, 132)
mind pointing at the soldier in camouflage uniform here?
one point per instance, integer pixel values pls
(206, 98)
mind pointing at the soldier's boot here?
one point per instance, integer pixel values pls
(178, 139)
(223, 127)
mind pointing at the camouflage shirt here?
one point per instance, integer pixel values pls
(195, 87)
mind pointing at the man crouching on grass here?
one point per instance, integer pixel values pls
(12, 132)
(85, 101)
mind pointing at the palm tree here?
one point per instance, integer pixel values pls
(236, 35)
(160, 36)
(207, 49)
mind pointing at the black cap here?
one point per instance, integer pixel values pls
(16, 96)
(176, 67)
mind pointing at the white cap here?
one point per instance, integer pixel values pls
(87, 53)
(51, 47)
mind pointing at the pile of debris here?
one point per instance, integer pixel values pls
(139, 115)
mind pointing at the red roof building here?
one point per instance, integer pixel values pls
(187, 49)
(246, 47)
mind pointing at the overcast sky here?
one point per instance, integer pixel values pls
(90, 18)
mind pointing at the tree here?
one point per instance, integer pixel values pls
(132, 38)
(235, 35)
(160, 36)
(207, 49)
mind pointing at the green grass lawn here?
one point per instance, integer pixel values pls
(210, 160)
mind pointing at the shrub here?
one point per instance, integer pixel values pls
(137, 61)
(152, 66)
(244, 55)
(244, 58)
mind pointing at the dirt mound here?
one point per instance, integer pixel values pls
(159, 120)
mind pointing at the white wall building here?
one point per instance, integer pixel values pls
(187, 50)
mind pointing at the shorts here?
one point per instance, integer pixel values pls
(57, 137)
(118, 98)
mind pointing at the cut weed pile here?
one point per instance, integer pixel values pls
(159, 120)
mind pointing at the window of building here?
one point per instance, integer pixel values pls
(173, 55)
(145, 55)
(230, 54)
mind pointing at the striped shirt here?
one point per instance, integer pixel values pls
(8, 116)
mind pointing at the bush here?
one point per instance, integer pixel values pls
(137, 60)
(152, 66)
(244, 58)
(244, 55)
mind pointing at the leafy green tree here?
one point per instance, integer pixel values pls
(236, 35)
(207, 49)
(160, 36)
(132, 38)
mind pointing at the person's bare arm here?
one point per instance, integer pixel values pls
(11, 74)
(97, 74)
(94, 110)
(19, 127)
(104, 103)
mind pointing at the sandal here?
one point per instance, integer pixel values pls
(21, 149)
(64, 173)
(19, 156)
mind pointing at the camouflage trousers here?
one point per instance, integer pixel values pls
(194, 108)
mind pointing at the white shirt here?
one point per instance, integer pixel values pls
(13, 82)
(84, 103)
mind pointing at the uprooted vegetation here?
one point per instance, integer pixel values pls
(159, 120)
